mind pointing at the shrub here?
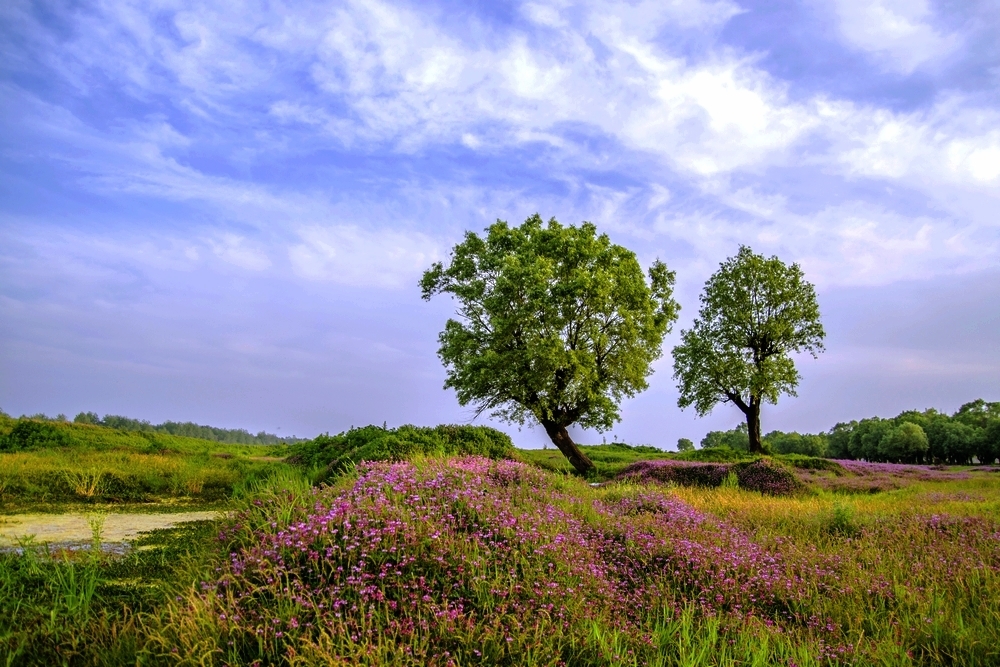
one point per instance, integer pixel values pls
(766, 477)
(30, 434)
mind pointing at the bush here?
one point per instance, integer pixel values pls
(375, 443)
(29, 434)
(767, 477)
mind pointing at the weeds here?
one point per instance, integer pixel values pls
(86, 484)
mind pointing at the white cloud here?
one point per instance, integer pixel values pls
(381, 75)
(898, 33)
(950, 143)
(351, 255)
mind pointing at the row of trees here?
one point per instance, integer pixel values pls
(556, 325)
(189, 429)
(971, 434)
(775, 442)
(922, 437)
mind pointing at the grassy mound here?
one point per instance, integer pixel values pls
(608, 459)
(374, 443)
(761, 475)
(715, 455)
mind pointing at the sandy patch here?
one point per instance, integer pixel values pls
(73, 527)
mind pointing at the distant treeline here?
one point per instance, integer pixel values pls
(237, 436)
(972, 433)
(190, 429)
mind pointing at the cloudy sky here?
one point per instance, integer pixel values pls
(219, 211)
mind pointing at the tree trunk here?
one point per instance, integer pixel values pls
(753, 426)
(560, 438)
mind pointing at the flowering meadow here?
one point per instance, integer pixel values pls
(466, 561)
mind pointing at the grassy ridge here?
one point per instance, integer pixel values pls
(43, 463)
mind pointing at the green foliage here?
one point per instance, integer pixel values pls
(684, 445)
(973, 431)
(906, 443)
(735, 439)
(838, 440)
(989, 448)
(755, 312)
(29, 434)
(795, 443)
(866, 437)
(557, 324)
(730, 481)
(842, 520)
(375, 443)
(978, 413)
(803, 462)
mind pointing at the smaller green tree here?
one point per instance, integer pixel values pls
(952, 441)
(838, 440)
(795, 443)
(978, 413)
(735, 439)
(906, 443)
(557, 325)
(989, 446)
(684, 445)
(755, 312)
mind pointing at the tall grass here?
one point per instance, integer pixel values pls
(68, 475)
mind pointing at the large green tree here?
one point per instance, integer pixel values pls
(755, 312)
(556, 325)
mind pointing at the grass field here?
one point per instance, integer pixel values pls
(467, 560)
(81, 463)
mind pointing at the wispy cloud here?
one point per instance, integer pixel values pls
(900, 35)
(349, 255)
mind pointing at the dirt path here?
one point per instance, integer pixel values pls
(74, 527)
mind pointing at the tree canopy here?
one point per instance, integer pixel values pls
(755, 312)
(556, 325)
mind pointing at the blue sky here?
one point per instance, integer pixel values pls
(218, 212)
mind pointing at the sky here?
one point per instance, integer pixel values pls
(219, 211)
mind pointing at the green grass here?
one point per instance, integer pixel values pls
(609, 460)
(87, 608)
(85, 464)
(907, 576)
